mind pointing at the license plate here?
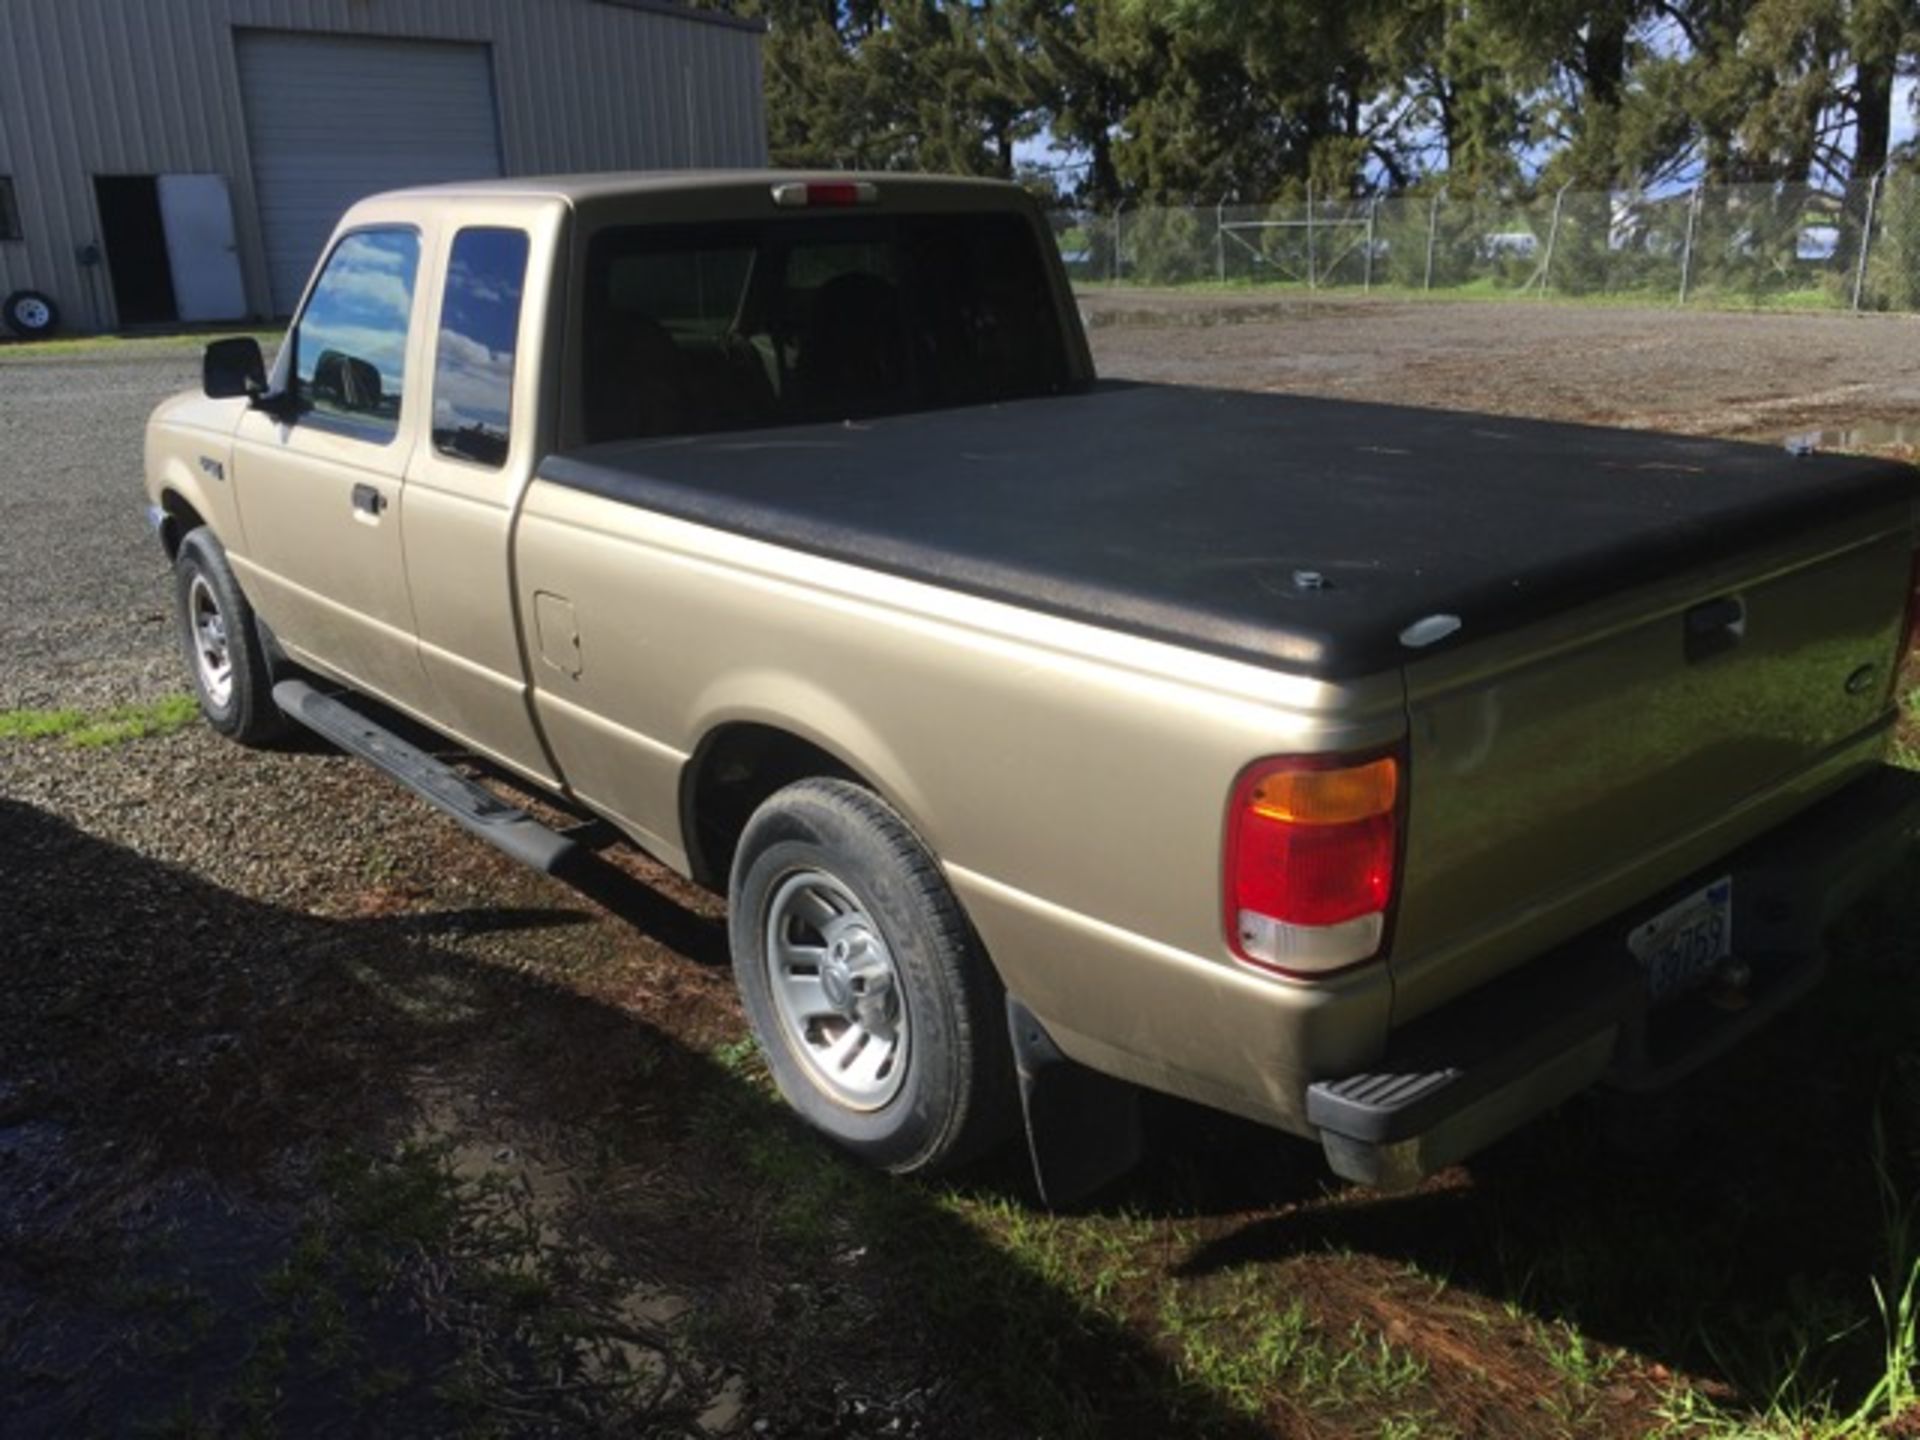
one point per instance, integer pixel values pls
(1687, 941)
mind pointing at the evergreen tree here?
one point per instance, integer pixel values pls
(1194, 101)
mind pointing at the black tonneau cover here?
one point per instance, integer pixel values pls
(1200, 516)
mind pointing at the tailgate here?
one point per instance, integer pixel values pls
(1562, 773)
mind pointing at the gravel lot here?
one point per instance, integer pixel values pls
(83, 591)
(262, 1011)
(1705, 372)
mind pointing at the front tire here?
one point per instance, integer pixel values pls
(877, 1010)
(220, 640)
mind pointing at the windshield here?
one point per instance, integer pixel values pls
(691, 329)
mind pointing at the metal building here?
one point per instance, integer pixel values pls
(183, 160)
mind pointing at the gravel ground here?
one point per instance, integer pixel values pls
(1706, 372)
(83, 586)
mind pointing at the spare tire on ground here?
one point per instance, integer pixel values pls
(30, 315)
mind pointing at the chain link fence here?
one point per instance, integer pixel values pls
(1854, 247)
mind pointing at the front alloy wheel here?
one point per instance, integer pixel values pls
(220, 641)
(212, 652)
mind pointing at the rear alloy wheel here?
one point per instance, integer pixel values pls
(220, 641)
(836, 990)
(30, 315)
(877, 1010)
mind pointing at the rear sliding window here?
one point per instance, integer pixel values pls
(479, 331)
(691, 329)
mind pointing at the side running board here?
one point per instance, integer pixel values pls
(477, 809)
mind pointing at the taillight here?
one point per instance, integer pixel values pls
(802, 194)
(1312, 854)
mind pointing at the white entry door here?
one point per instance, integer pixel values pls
(202, 253)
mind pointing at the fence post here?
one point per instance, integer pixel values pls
(1310, 279)
(1866, 238)
(1373, 216)
(1553, 237)
(1686, 255)
(1220, 240)
(1433, 231)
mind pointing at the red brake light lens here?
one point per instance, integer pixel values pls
(1316, 874)
(1312, 856)
(804, 194)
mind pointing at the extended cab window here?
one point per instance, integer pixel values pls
(350, 344)
(479, 331)
(723, 327)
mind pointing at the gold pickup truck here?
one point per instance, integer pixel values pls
(1384, 775)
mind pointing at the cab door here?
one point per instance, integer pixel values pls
(467, 475)
(318, 475)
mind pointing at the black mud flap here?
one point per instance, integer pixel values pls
(1083, 1128)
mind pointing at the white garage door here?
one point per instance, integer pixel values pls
(331, 118)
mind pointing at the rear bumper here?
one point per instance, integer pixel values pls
(1464, 1075)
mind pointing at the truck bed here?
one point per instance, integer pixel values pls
(1198, 516)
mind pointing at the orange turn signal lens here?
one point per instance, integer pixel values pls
(1328, 797)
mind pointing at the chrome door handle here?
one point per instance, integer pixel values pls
(368, 500)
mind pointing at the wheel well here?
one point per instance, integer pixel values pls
(180, 519)
(733, 771)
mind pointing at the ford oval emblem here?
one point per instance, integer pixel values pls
(1861, 680)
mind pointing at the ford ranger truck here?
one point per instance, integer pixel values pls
(1384, 775)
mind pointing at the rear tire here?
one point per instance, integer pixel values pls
(220, 640)
(877, 1010)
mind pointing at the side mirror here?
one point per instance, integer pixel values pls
(232, 368)
(347, 382)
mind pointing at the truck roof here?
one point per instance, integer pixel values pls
(616, 184)
(1305, 534)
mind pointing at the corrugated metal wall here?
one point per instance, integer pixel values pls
(148, 87)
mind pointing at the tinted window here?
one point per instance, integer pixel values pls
(479, 330)
(702, 328)
(350, 345)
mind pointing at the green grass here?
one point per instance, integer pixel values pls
(39, 724)
(1906, 741)
(1485, 292)
(1253, 1349)
(125, 346)
(89, 731)
(1897, 1388)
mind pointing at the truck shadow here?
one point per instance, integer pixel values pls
(372, 1174)
(1731, 1227)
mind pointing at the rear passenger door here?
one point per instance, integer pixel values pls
(465, 481)
(318, 482)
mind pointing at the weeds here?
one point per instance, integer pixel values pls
(1898, 1301)
(107, 727)
(1906, 738)
(1255, 1352)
